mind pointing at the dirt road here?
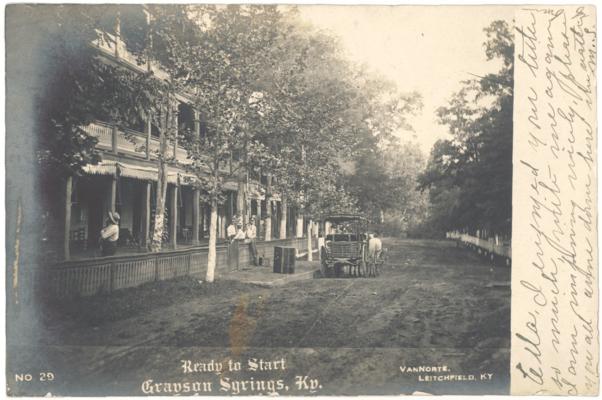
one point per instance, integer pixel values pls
(436, 320)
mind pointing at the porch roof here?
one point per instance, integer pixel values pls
(127, 170)
(107, 167)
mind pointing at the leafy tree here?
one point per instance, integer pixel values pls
(323, 114)
(222, 67)
(469, 177)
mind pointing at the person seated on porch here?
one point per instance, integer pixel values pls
(252, 236)
(110, 234)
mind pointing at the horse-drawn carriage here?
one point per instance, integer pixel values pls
(345, 250)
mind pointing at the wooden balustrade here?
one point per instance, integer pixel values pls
(106, 274)
(130, 141)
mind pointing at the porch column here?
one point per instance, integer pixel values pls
(241, 200)
(283, 217)
(146, 213)
(202, 221)
(149, 129)
(173, 218)
(117, 33)
(196, 198)
(114, 138)
(68, 191)
(222, 222)
(268, 208)
(309, 239)
(113, 198)
(299, 224)
(175, 140)
(230, 210)
(197, 124)
(258, 216)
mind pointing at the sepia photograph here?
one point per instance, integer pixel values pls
(261, 199)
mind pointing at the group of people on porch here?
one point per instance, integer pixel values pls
(237, 231)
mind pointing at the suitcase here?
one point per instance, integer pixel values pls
(284, 260)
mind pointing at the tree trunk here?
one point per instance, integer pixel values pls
(241, 200)
(159, 225)
(284, 209)
(212, 256)
(309, 237)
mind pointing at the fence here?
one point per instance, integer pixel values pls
(105, 274)
(489, 245)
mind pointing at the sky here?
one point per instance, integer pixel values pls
(426, 49)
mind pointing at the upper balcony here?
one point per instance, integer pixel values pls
(128, 142)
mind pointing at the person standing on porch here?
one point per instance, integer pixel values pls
(231, 233)
(110, 234)
(252, 236)
(231, 230)
(240, 232)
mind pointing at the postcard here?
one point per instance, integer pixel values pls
(301, 200)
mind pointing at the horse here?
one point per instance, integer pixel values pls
(375, 249)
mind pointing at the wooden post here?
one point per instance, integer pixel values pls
(230, 210)
(111, 277)
(197, 124)
(202, 221)
(68, 191)
(114, 138)
(259, 232)
(113, 198)
(149, 129)
(173, 220)
(241, 200)
(299, 224)
(146, 213)
(268, 208)
(176, 127)
(196, 198)
(222, 224)
(309, 239)
(283, 217)
(117, 33)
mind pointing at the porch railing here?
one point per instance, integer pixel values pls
(130, 141)
(106, 274)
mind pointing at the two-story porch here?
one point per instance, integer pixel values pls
(126, 181)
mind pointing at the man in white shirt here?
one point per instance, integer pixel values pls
(252, 236)
(110, 234)
(231, 230)
(240, 233)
